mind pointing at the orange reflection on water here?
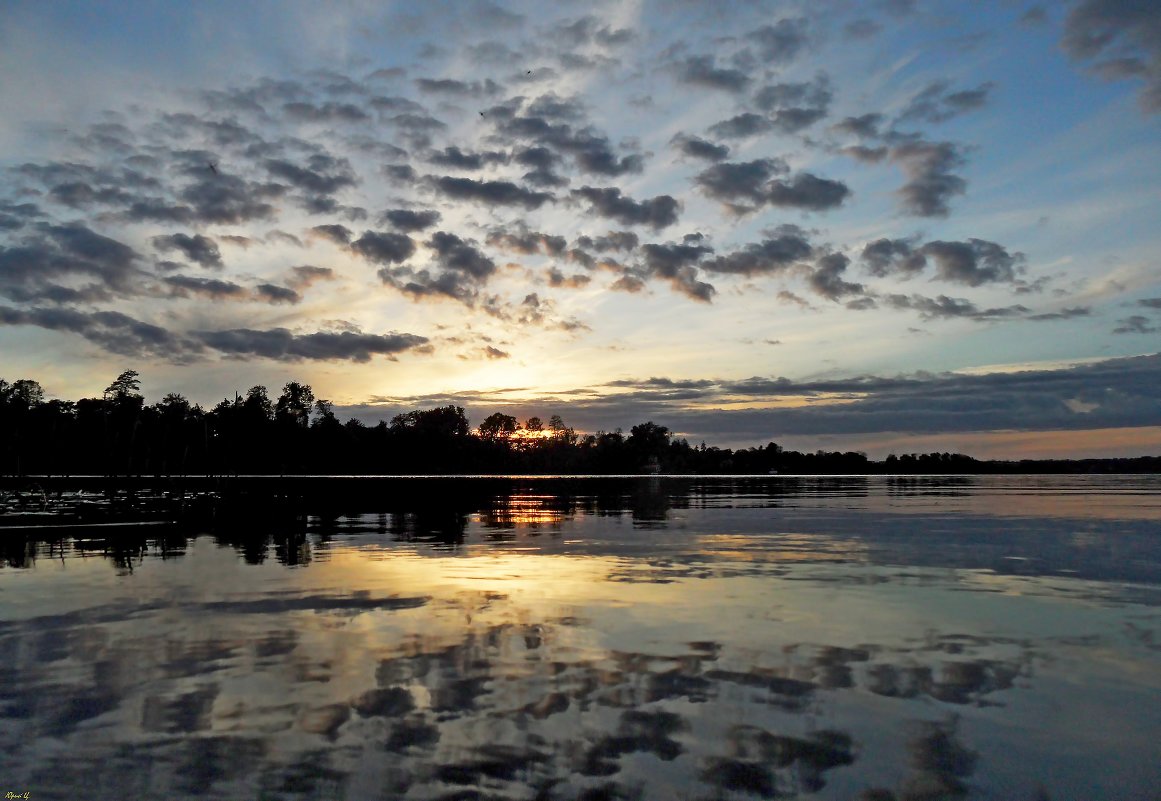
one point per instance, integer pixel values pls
(521, 511)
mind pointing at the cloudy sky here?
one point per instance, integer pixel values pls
(894, 226)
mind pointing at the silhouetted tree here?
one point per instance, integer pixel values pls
(647, 441)
(125, 387)
(498, 426)
(294, 404)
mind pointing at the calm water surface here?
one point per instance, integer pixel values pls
(652, 638)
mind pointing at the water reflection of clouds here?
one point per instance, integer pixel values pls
(272, 698)
(411, 656)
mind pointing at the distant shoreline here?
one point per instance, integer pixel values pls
(1126, 466)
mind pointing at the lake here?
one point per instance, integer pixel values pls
(874, 638)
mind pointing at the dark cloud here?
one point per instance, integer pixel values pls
(79, 195)
(1118, 38)
(222, 133)
(551, 106)
(18, 214)
(184, 286)
(699, 148)
(105, 137)
(409, 220)
(589, 30)
(401, 173)
(827, 278)
(1123, 391)
(306, 275)
(1066, 313)
(762, 258)
(546, 179)
(702, 71)
(945, 307)
(1135, 324)
(492, 52)
(271, 293)
(806, 191)
(865, 126)
(675, 263)
(899, 257)
(283, 237)
(741, 126)
(1150, 303)
(463, 269)
(657, 212)
(621, 241)
(459, 255)
(228, 199)
(814, 93)
(156, 209)
(112, 331)
(628, 283)
(302, 111)
(384, 248)
(973, 262)
(32, 266)
(539, 157)
(543, 161)
(793, 120)
(491, 193)
(322, 175)
(781, 42)
(930, 181)
(417, 128)
(455, 158)
(590, 150)
(528, 243)
(393, 104)
(197, 248)
(558, 279)
(446, 86)
(752, 181)
(339, 234)
(935, 104)
(795, 106)
(666, 259)
(867, 155)
(210, 197)
(745, 180)
(578, 256)
(280, 344)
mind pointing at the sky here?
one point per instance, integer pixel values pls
(901, 226)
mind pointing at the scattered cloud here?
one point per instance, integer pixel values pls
(1118, 39)
(698, 148)
(657, 213)
(197, 248)
(280, 344)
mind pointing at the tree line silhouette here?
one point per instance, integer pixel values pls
(297, 433)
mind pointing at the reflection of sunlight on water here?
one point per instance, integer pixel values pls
(523, 512)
